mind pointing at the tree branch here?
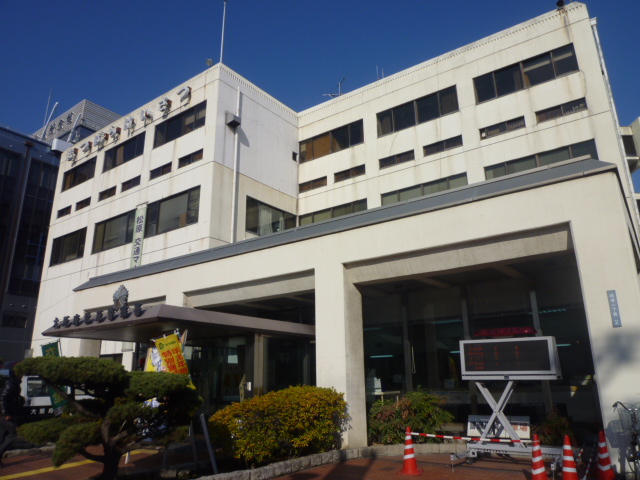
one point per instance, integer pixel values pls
(91, 456)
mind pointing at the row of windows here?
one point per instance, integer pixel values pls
(528, 73)
(133, 182)
(429, 188)
(166, 131)
(418, 111)
(333, 212)
(331, 142)
(162, 216)
(542, 159)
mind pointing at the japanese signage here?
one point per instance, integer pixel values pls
(477, 425)
(170, 350)
(616, 321)
(57, 402)
(138, 236)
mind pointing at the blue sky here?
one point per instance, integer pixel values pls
(121, 54)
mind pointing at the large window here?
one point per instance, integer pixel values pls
(331, 142)
(429, 188)
(418, 111)
(333, 212)
(263, 219)
(533, 71)
(68, 247)
(114, 232)
(173, 212)
(79, 174)
(132, 148)
(180, 125)
(542, 159)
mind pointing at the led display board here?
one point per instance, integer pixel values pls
(529, 358)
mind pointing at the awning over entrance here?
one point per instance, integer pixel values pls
(157, 320)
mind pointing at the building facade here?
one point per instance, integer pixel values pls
(354, 244)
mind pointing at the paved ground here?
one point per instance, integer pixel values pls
(437, 466)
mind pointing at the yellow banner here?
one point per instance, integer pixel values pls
(170, 350)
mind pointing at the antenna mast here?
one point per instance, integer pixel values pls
(224, 21)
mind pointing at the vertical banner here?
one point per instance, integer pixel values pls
(138, 235)
(57, 402)
(170, 350)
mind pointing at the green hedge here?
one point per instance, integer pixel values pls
(420, 410)
(284, 424)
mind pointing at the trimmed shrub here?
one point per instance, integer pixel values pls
(280, 425)
(420, 410)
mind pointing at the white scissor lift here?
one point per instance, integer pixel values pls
(508, 359)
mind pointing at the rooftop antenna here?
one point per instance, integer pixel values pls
(46, 112)
(224, 21)
(46, 124)
(333, 95)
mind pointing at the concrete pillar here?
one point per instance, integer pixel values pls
(339, 346)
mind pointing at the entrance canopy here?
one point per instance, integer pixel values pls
(157, 320)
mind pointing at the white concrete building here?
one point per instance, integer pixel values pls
(361, 239)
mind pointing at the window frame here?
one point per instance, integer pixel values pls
(562, 109)
(355, 207)
(154, 212)
(482, 86)
(63, 212)
(329, 143)
(83, 203)
(446, 144)
(191, 158)
(386, 120)
(160, 171)
(64, 243)
(312, 184)
(349, 173)
(181, 124)
(397, 159)
(417, 191)
(503, 127)
(76, 175)
(101, 227)
(253, 210)
(125, 152)
(107, 193)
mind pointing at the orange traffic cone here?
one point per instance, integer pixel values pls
(569, 471)
(605, 472)
(538, 471)
(410, 466)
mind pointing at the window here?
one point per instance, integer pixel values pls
(311, 184)
(349, 173)
(331, 142)
(429, 188)
(14, 320)
(109, 192)
(502, 127)
(333, 212)
(189, 159)
(158, 172)
(418, 111)
(561, 110)
(180, 125)
(442, 145)
(533, 71)
(129, 184)
(173, 212)
(64, 211)
(83, 203)
(263, 219)
(132, 148)
(68, 247)
(114, 232)
(396, 159)
(79, 174)
(542, 159)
